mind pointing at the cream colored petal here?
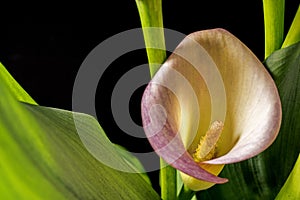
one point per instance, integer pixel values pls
(211, 76)
(251, 101)
(173, 113)
(253, 104)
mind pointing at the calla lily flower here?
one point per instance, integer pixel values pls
(211, 103)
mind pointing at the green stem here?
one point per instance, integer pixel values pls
(186, 193)
(293, 35)
(274, 25)
(168, 183)
(150, 12)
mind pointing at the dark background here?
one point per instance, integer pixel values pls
(44, 49)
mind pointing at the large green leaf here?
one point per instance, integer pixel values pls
(42, 156)
(285, 68)
(263, 176)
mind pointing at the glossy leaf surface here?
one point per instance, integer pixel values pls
(42, 156)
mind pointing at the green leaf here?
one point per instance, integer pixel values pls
(16, 90)
(263, 176)
(285, 68)
(274, 25)
(21, 174)
(21, 95)
(133, 162)
(42, 156)
(293, 35)
(291, 190)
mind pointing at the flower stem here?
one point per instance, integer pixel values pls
(168, 183)
(274, 25)
(150, 12)
(186, 193)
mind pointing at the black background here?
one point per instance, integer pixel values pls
(44, 49)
